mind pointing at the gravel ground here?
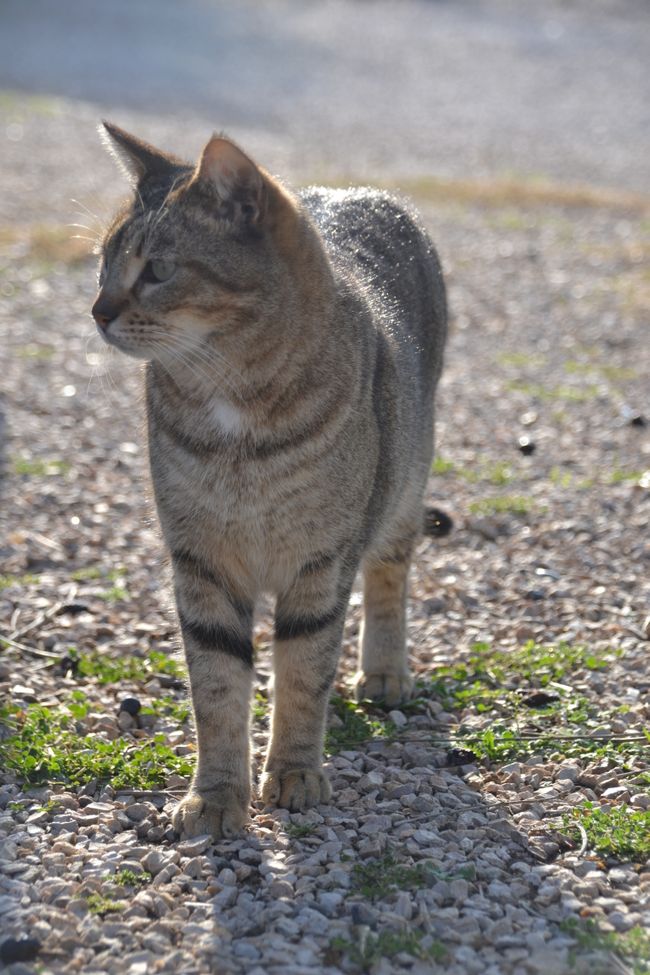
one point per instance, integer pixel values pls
(460, 839)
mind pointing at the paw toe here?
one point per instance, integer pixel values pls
(386, 688)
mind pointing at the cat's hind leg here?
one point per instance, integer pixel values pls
(384, 673)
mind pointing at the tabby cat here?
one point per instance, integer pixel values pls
(293, 345)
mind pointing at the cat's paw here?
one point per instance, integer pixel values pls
(385, 688)
(295, 789)
(217, 811)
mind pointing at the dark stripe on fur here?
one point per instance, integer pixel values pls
(321, 561)
(198, 567)
(293, 627)
(211, 636)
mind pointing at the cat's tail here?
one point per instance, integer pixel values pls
(436, 523)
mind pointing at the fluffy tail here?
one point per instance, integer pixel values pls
(437, 523)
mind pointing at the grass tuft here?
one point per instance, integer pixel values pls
(618, 832)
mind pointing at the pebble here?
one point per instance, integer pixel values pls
(194, 847)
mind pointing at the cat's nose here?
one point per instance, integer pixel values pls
(106, 309)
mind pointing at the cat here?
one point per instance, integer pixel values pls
(293, 346)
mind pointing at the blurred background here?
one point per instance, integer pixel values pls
(342, 89)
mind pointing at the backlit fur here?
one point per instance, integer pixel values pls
(292, 357)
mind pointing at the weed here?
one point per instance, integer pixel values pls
(93, 572)
(521, 360)
(44, 746)
(128, 878)
(100, 905)
(619, 831)
(357, 726)
(25, 580)
(371, 948)
(442, 466)
(377, 879)
(112, 670)
(115, 594)
(39, 468)
(569, 394)
(34, 351)
(260, 706)
(632, 947)
(297, 831)
(505, 504)
(168, 707)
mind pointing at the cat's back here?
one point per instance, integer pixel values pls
(376, 239)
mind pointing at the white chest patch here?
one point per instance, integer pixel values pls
(225, 416)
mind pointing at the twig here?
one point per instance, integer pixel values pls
(27, 649)
(585, 841)
(40, 619)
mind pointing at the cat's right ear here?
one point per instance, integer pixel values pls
(137, 159)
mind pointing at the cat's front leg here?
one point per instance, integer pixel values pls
(308, 629)
(217, 635)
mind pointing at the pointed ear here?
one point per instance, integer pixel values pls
(137, 159)
(238, 182)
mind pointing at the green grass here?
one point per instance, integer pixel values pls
(116, 594)
(505, 504)
(128, 878)
(632, 947)
(260, 706)
(112, 670)
(521, 360)
(91, 572)
(29, 467)
(536, 711)
(371, 948)
(614, 374)
(618, 832)
(168, 707)
(100, 905)
(376, 879)
(358, 725)
(497, 472)
(43, 745)
(34, 351)
(24, 580)
(298, 831)
(567, 394)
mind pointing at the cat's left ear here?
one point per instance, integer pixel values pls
(136, 158)
(238, 182)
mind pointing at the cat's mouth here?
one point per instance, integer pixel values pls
(126, 344)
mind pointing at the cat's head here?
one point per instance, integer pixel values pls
(196, 254)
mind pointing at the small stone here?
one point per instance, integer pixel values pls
(126, 722)
(196, 846)
(153, 862)
(568, 772)
(618, 793)
(398, 718)
(227, 877)
(526, 446)
(363, 914)
(193, 868)
(130, 705)
(19, 949)
(640, 801)
(137, 811)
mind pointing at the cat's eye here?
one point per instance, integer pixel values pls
(157, 271)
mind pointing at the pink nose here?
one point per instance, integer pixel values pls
(105, 310)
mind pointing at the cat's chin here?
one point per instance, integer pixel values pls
(141, 354)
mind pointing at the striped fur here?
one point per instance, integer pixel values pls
(293, 348)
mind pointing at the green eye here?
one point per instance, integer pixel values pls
(157, 271)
